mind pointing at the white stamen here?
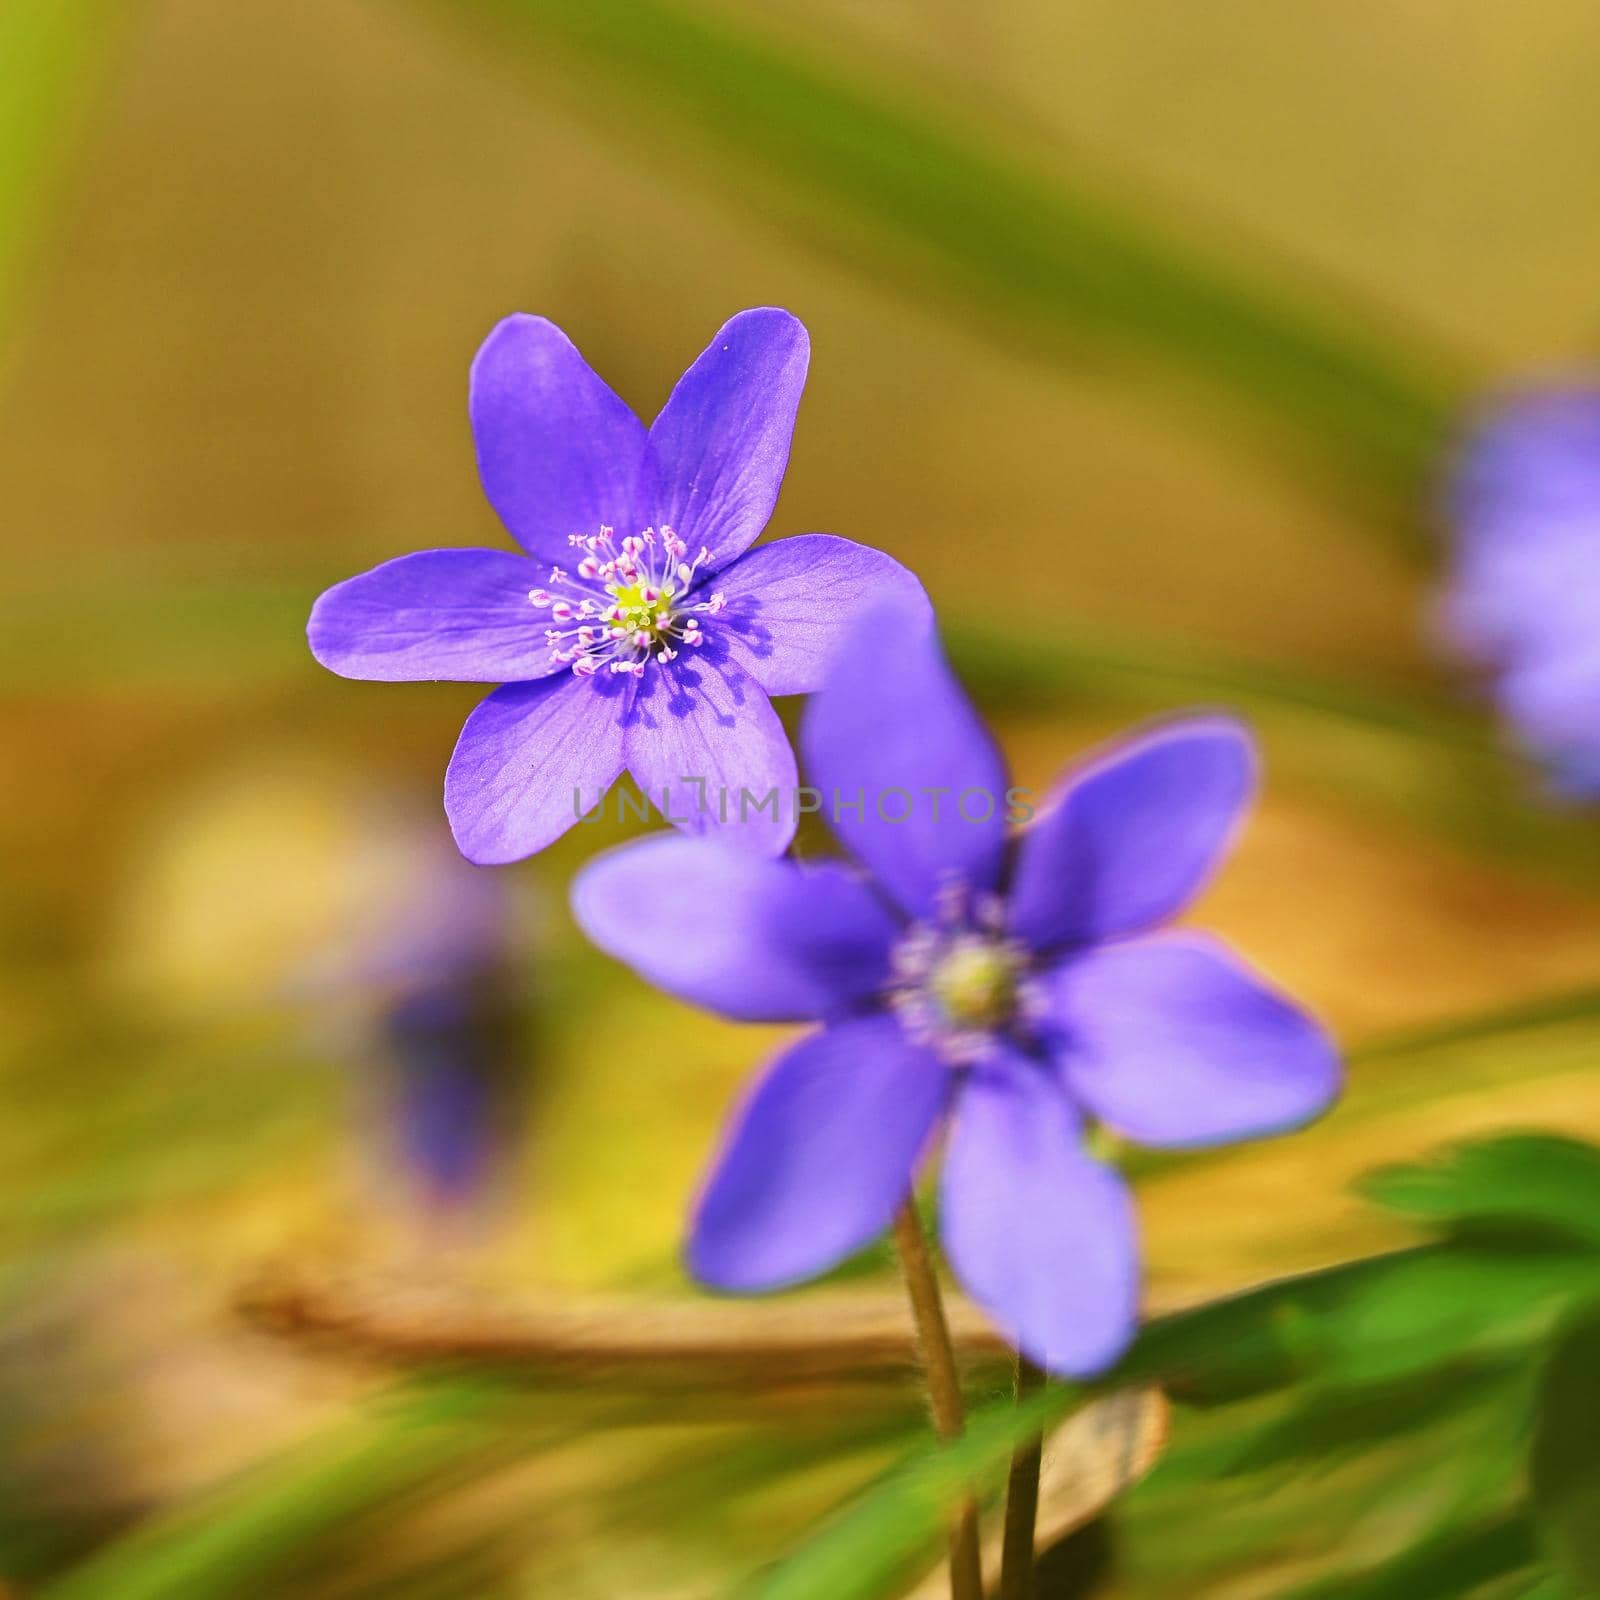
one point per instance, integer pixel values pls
(635, 598)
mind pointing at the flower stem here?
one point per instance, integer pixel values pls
(1022, 1500)
(944, 1388)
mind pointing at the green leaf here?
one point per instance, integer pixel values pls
(913, 184)
(1531, 1178)
(1566, 1452)
(1371, 1321)
(1389, 1398)
(1429, 1310)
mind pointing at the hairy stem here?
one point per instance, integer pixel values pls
(1022, 1499)
(944, 1388)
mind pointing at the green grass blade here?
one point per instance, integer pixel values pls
(268, 1524)
(919, 186)
(861, 1554)
(1533, 1016)
(50, 51)
(1455, 1563)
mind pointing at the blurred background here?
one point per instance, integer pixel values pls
(1144, 332)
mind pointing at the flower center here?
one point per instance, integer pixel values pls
(959, 982)
(641, 609)
(629, 603)
(975, 983)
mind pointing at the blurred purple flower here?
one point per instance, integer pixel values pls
(1014, 999)
(1524, 601)
(441, 967)
(450, 1049)
(423, 974)
(636, 633)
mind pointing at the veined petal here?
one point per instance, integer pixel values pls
(1130, 839)
(558, 452)
(1039, 1233)
(461, 615)
(710, 753)
(818, 1158)
(530, 759)
(719, 448)
(911, 781)
(792, 603)
(757, 940)
(1173, 1042)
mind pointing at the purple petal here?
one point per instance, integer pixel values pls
(1130, 839)
(1041, 1235)
(709, 751)
(791, 604)
(719, 448)
(762, 941)
(530, 759)
(461, 615)
(1171, 1041)
(818, 1158)
(892, 729)
(558, 452)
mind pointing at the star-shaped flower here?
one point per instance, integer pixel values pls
(636, 633)
(1013, 991)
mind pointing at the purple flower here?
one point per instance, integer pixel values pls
(1524, 600)
(451, 1047)
(635, 634)
(1014, 993)
(424, 970)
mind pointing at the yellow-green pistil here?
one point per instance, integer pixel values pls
(641, 608)
(629, 604)
(974, 984)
